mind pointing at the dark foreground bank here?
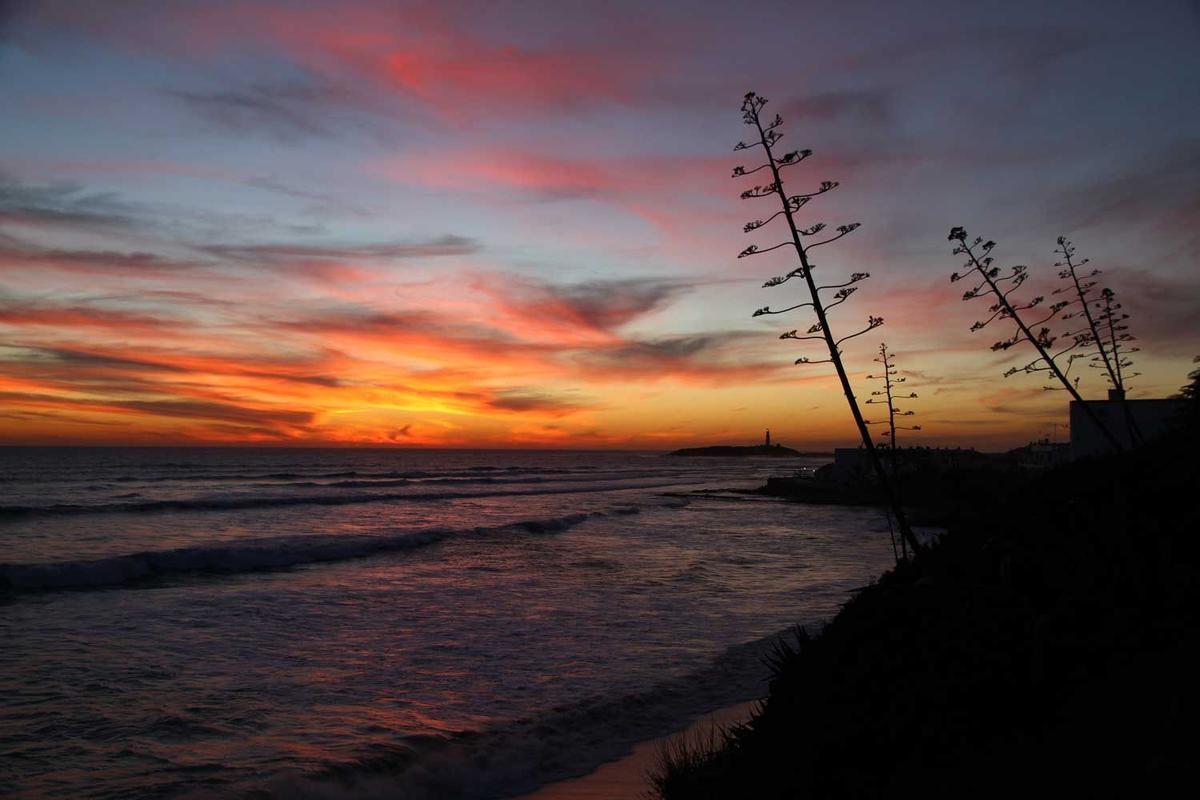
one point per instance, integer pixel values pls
(1048, 644)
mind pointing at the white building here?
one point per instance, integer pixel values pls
(1131, 422)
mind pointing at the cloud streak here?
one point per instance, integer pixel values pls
(286, 112)
(276, 253)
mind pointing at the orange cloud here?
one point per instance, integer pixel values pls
(347, 372)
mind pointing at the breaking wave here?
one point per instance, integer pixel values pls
(254, 555)
(227, 475)
(229, 503)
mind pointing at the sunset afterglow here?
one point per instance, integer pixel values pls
(489, 226)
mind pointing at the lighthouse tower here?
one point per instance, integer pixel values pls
(767, 443)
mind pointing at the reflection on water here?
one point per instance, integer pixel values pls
(610, 619)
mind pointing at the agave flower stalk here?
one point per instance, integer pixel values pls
(1105, 329)
(887, 397)
(1001, 286)
(1113, 338)
(768, 136)
(1080, 286)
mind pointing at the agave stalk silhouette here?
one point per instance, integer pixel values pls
(1105, 329)
(1001, 286)
(1112, 337)
(1079, 287)
(768, 135)
(887, 397)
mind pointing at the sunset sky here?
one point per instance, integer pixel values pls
(511, 224)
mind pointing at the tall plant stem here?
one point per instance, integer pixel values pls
(1135, 433)
(887, 384)
(1033, 340)
(835, 356)
(1114, 374)
(887, 387)
(1114, 341)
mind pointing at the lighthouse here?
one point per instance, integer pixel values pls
(767, 442)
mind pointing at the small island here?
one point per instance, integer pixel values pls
(737, 451)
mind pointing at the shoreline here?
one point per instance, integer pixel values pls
(625, 778)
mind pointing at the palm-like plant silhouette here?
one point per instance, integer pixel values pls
(1000, 287)
(768, 136)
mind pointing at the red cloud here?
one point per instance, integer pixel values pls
(467, 73)
(438, 54)
(59, 317)
(552, 176)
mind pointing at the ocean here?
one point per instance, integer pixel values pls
(208, 622)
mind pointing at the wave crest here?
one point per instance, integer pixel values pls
(232, 503)
(254, 555)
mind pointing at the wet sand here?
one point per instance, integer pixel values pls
(625, 778)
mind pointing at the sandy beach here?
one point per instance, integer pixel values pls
(625, 778)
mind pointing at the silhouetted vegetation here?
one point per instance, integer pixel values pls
(769, 135)
(1021, 650)
(1191, 391)
(998, 286)
(891, 378)
(685, 753)
(1105, 327)
(1055, 657)
(887, 397)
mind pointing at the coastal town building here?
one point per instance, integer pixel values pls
(1041, 454)
(1132, 422)
(852, 464)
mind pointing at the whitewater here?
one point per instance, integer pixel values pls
(201, 622)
